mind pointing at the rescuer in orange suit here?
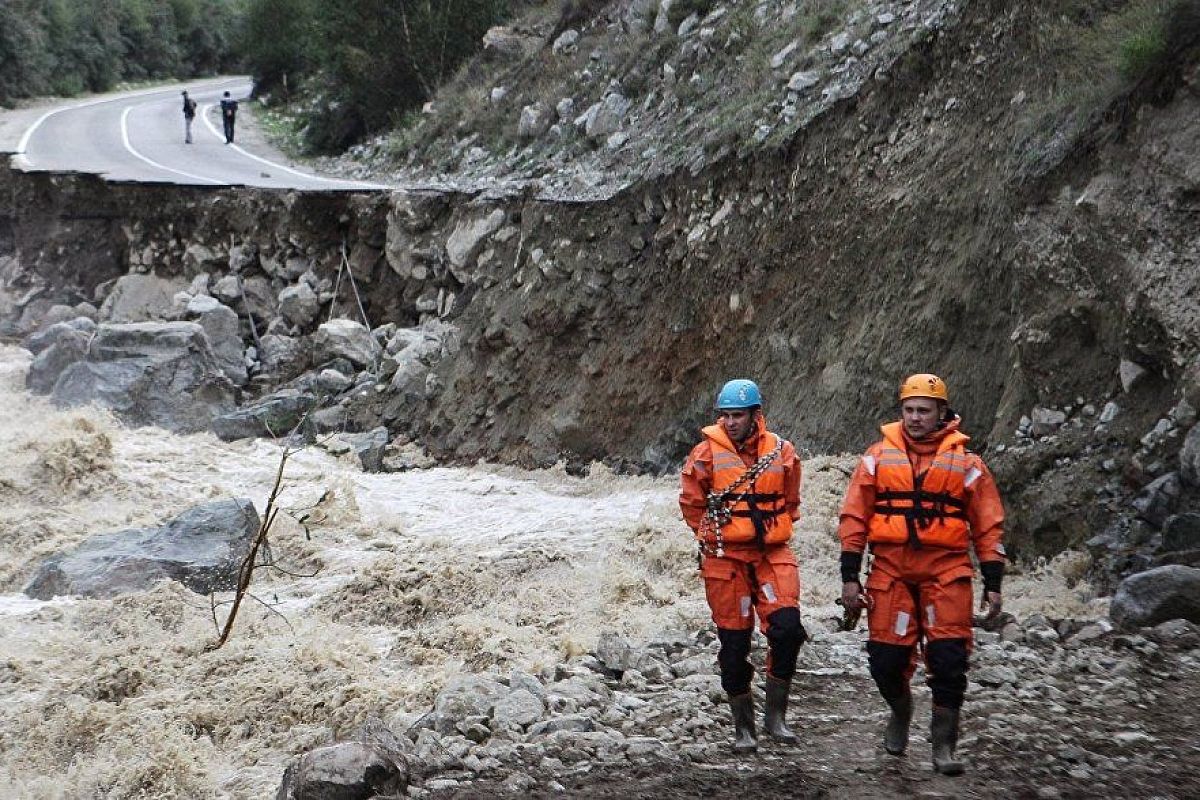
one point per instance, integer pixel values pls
(740, 494)
(921, 500)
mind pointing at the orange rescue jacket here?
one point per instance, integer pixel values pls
(926, 509)
(759, 507)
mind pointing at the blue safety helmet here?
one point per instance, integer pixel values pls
(739, 393)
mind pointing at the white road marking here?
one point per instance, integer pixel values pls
(153, 163)
(25, 137)
(220, 136)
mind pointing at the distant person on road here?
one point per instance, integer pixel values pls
(229, 109)
(740, 494)
(189, 114)
(921, 500)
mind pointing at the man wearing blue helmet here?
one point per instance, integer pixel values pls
(740, 494)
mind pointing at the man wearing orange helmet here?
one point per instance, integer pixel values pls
(921, 501)
(740, 493)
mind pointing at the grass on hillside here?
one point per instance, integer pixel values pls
(1093, 60)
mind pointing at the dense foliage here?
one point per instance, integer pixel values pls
(64, 47)
(367, 61)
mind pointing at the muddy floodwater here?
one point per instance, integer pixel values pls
(419, 576)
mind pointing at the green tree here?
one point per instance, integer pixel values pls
(382, 58)
(25, 60)
(277, 42)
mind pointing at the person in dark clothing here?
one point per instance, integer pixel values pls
(189, 114)
(229, 108)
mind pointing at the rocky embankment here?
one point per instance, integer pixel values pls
(934, 214)
(1057, 709)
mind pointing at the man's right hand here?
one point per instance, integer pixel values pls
(852, 596)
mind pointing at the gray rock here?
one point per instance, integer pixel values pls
(1131, 374)
(274, 415)
(1178, 633)
(467, 239)
(519, 708)
(220, 323)
(465, 696)
(1157, 595)
(57, 348)
(994, 675)
(369, 448)
(614, 651)
(283, 357)
(49, 335)
(523, 680)
(344, 338)
(570, 722)
(138, 298)
(1189, 457)
(227, 289)
(608, 117)
(566, 41)
(1155, 502)
(345, 771)
(299, 305)
(781, 57)
(201, 548)
(334, 382)
(243, 257)
(1046, 421)
(535, 120)
(150, 373)
(413, 364)
(802, 80)
(1181, 532)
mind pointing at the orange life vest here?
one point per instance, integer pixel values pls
(929, 509)
(758, 508)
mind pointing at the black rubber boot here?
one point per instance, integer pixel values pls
(895, 736)
(742, 706)
(943, 732)
(776, 711)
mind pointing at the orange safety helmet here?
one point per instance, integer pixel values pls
(924, 384)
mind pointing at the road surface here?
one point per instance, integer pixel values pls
(138, 136)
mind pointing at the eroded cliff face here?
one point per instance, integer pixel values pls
(909, 227)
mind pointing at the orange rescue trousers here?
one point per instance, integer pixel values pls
(933, 612)
(746, 584)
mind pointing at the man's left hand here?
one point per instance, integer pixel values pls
(993, 603)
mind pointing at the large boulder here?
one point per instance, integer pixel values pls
(467, 239)
(56, 348)
(222, 327)
(274, 415)
(344, 338)
(299, 305)
(1157, 595)
(49, 335)
(202, 548)
(369, 447)
(150, 373)
(138, 298)
(283, 357)
(345, 771)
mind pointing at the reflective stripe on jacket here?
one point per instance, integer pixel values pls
(926, 509)
(762, 514)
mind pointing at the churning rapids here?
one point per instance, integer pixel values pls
(421, 575)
